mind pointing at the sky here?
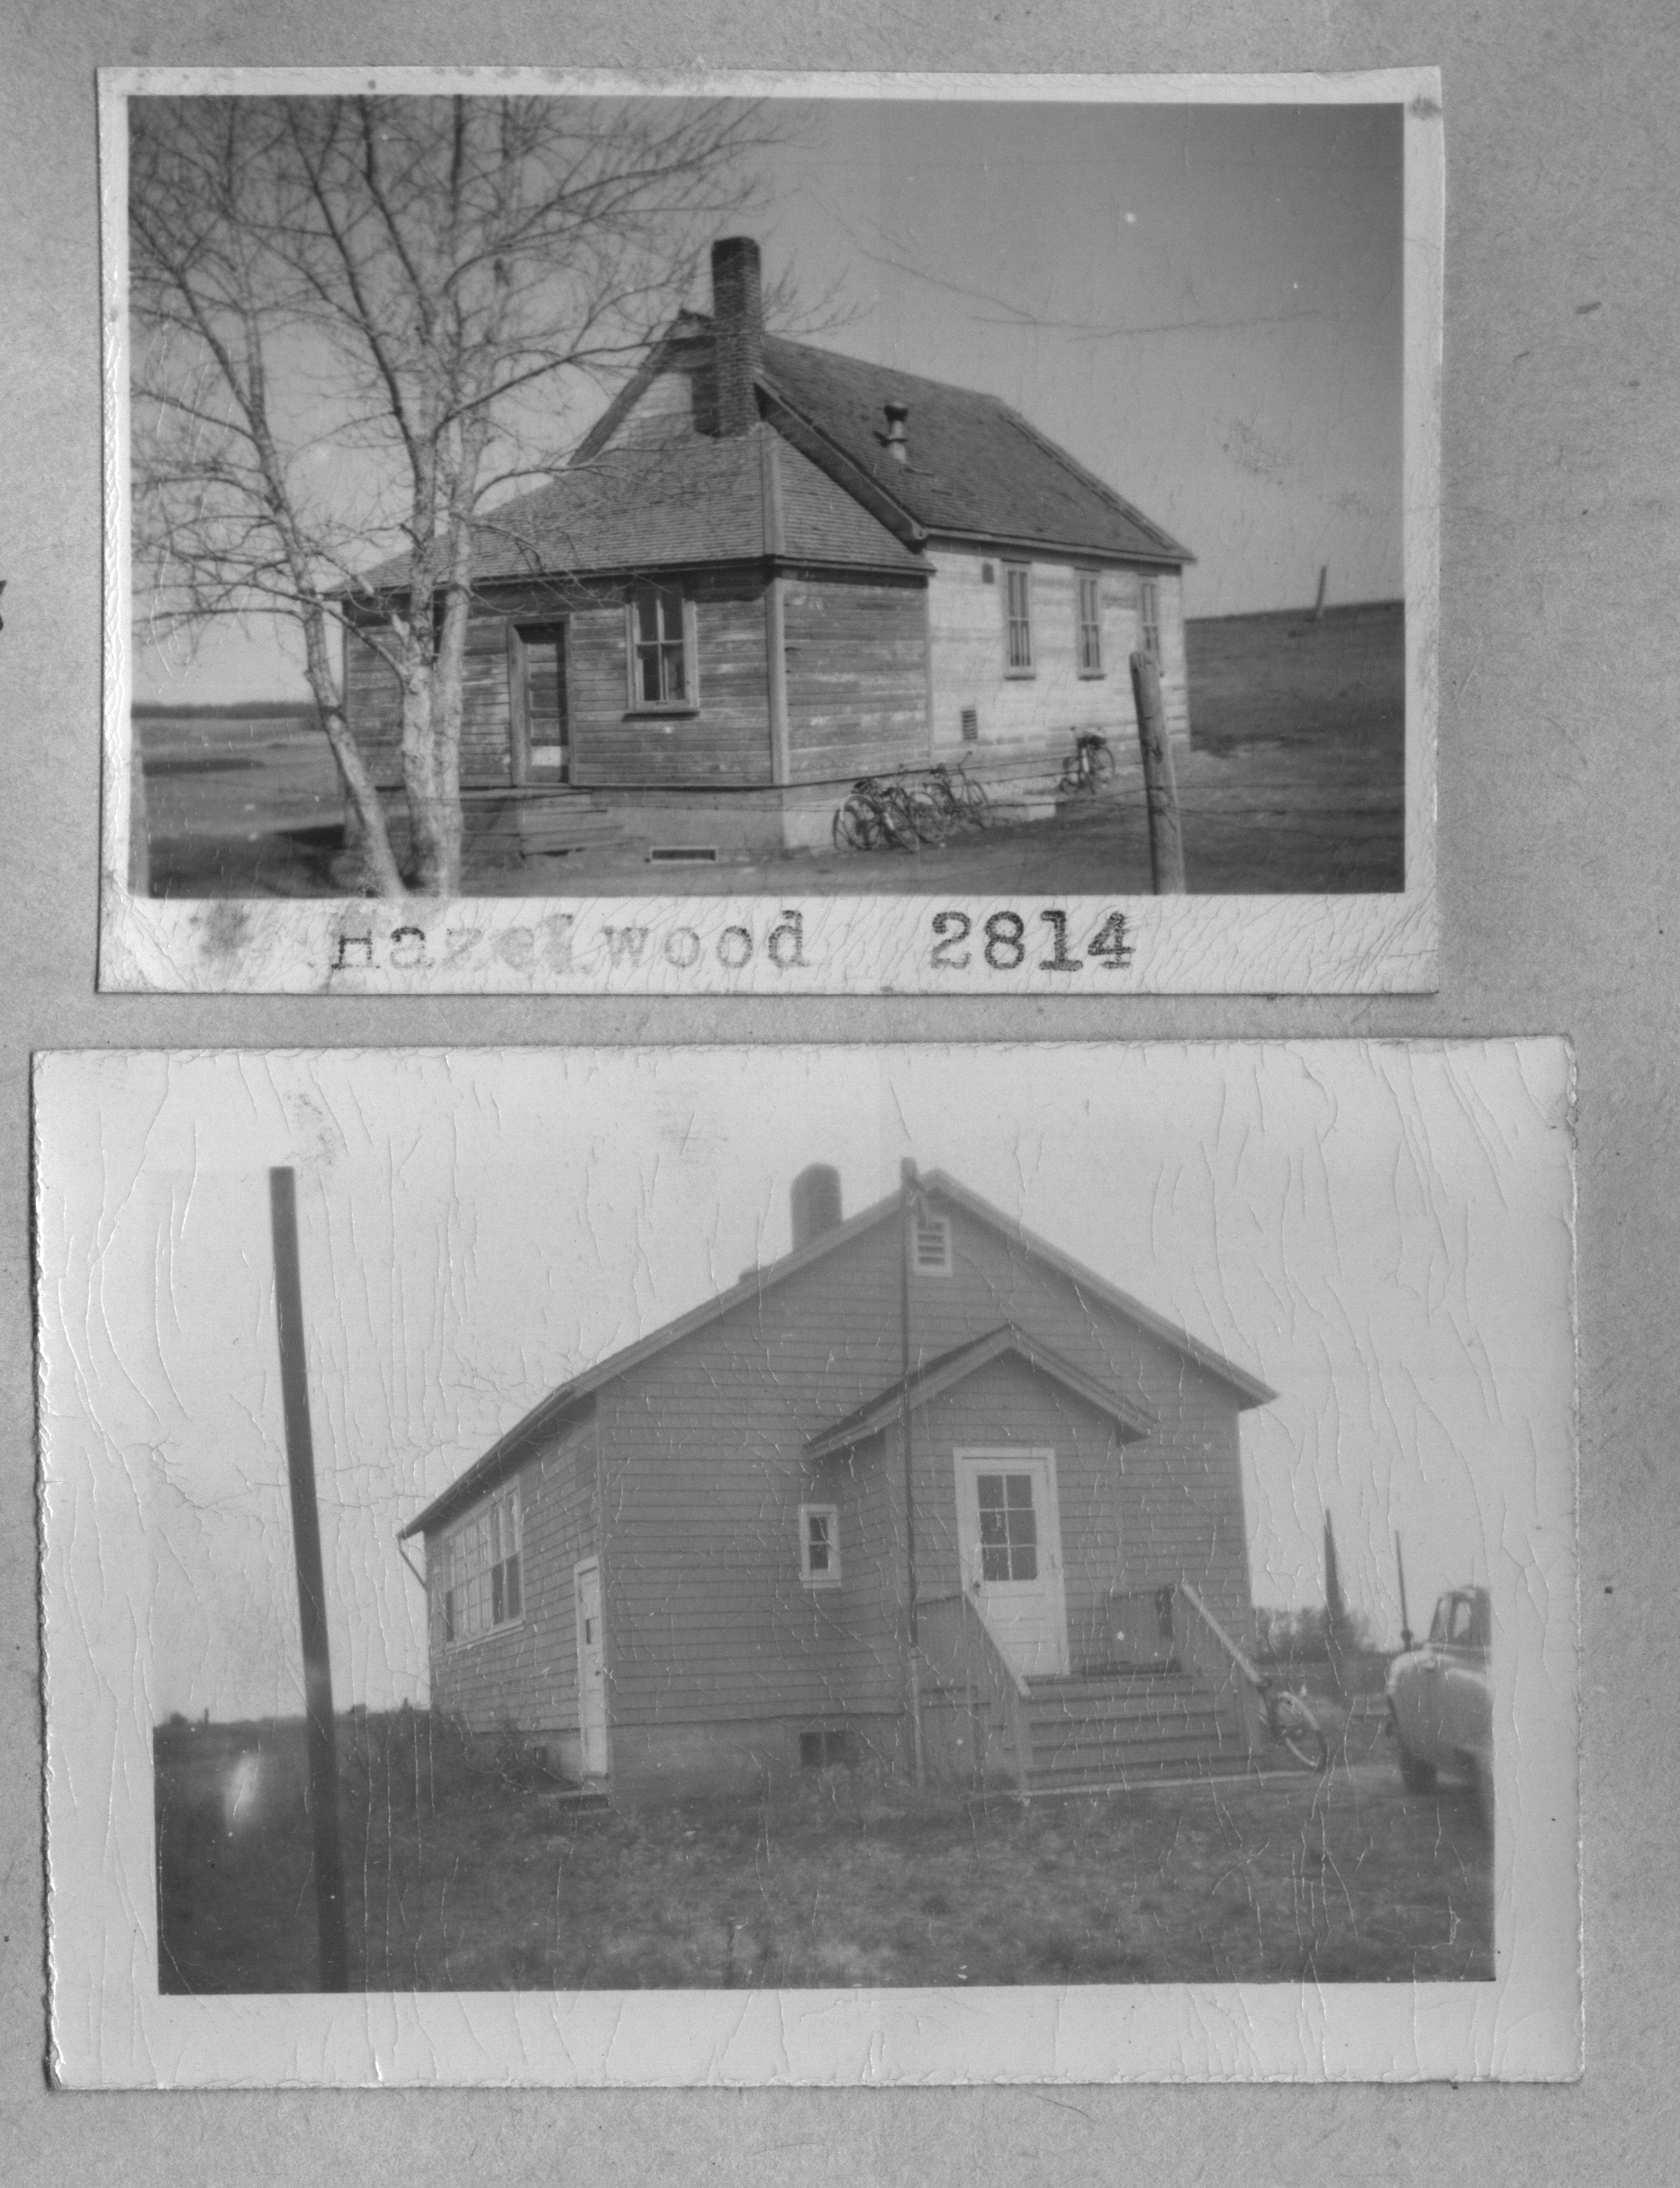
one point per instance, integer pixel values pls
(1203, 304)
(1379, 1232)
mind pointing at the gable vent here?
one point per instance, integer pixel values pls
(932, 1245)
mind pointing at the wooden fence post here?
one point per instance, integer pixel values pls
(1161, 789)
(311, 1594)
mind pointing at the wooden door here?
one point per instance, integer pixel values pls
(592, 1669)
(1009, 1543)
(536, 688)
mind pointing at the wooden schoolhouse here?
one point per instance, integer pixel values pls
(769, 569)
(923, 1491)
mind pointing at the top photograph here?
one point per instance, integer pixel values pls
(822, 534)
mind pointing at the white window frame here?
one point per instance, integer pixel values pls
(689, 704)
(1149, 618)
(1025, 666)
(1088, 584)
(930, 1226)
(468, 1567)
(829, 1575)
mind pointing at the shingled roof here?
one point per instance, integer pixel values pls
(674, 502)
(976, 468)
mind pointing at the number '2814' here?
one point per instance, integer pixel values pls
(1005, 942)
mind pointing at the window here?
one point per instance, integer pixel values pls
(822, 1750)
(1149, 618)
(482, 1588)
(661, 648)
(1017, 599)
(1090, 624)
(820, 1545)
(932, 1245)
(1008, 1527)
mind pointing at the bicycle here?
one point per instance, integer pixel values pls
(1289, 1720)
(1088, 768)
(878, 813)
(961, 800)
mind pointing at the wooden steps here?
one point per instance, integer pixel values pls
(1122, 1728)
(538, 824)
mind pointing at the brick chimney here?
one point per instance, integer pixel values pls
(816, 1202)
(737, 305)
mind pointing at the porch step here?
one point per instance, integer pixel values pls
(534, 823)
(1123, 1728)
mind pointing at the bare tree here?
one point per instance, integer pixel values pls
(358, 321)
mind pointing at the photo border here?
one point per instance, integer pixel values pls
(815, 944)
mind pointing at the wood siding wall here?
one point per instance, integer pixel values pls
(1020, 716)
(857, 677)
(703, 1473)
(373, 704)
(526, 1674)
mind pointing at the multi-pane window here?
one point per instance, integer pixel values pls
(659, 662)
(932, 1243)
(1018, 614)
(1090, 624)
(482, 1583)
(1149, 618)
(820, 1545)
(1008, 1527)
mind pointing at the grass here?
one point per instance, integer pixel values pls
(465, 1878)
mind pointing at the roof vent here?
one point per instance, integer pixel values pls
(898, 447)
(815, 1203)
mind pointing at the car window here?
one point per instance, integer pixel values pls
(1437, 1624)
(1463, 1613)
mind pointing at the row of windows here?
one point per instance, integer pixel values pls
(1017, 615)
(661, 641)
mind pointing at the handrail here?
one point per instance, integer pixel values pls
(1244, 1663)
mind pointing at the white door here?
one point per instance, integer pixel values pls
(1009, 1541)
(592, 1669)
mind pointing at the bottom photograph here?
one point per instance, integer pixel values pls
(810, 1564)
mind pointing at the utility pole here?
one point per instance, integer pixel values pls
(907, 1207)
(312, 1595)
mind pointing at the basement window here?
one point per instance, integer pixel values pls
(683, 854)
(820, 1545)
(823, 1749)
(483, 1586)
(931, 1245)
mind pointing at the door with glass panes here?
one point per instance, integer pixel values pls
(541, 748)
(1009, 1543)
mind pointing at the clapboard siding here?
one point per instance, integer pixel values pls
(724, 742)
(526, 1675)
(857, 677)
(702, 1453)
(967, 638)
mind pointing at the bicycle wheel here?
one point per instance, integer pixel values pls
(929, 818)
(976, 804)
(1301, 1734)
(1101, 763)
(855, 828)
(897, 819)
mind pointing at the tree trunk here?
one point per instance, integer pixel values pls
(370, 833)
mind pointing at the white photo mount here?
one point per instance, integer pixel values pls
(793, 937)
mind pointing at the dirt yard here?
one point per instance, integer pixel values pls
(1296, 785)
(462, 1877)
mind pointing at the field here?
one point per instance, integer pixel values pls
(1296, 785)
(470, 1877)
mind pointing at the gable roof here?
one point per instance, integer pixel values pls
(926, 1382)
(977, 469)
(675, 502)
(520, 1441)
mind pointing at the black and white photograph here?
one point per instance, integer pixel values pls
(815, 535)
(1045, 1563)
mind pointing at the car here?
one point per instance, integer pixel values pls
(1441, 1699)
